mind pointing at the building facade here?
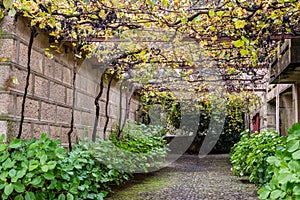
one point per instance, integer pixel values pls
(281, 103)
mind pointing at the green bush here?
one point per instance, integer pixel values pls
(142, 147)
(31, 169)
(41, 169)
(249, 155)
(285, 182)
(88, 178)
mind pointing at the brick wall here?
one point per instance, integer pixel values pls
(49, 102)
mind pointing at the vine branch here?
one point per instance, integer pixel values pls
(107, 101)
(96, 102)
(33, 34)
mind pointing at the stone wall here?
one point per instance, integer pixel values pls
(49, 102)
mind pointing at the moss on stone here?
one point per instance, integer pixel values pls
(143, 183)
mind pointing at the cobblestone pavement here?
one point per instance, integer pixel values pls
(191, 178)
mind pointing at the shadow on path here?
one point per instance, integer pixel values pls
(189, 178)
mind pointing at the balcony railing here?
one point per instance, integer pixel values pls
(286, 66)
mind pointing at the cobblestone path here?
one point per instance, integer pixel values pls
(189, 178)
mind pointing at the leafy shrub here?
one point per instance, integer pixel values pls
(141, 146)
(41, 169)
(285, 182)
(248, 156)
(90, 178)
(30, 169)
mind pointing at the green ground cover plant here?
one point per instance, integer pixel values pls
(42, 169)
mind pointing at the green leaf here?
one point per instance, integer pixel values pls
(296, 155)
(8, 3)
(74, 190)
(44, 168)
(61, 197)
(36, 181)
(15, 143)
(239, 43)
(70, 196)
(44, 137)
(53, 184)
(51, 164)
(43, 159)
(220, 13)
(4, 196)
(19, 187)
(273, 161)
(295, 130)
(211, 13)
(19, 197)
(275, 194)
(296, 190)
(245, 40)
(8, 164)
(29, 196)
(292, 145)
(2, 137)
(21, 173)
(12, 173)
(3, 147)
(244, 52)
(60, 153)
(8, 189)
(283, 178)
(49, 175)
(33, 164)
(42, 196)
(263, 193)
(294, 166)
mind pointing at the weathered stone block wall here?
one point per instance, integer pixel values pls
(280, 108)
(49, 101)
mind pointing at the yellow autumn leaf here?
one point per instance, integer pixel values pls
(151, 94)
(4, 59)
(240, 24)
(165, 3)
(214, 38)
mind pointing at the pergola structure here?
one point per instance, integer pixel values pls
(230, 42)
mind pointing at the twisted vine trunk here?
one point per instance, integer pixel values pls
(73, 103)
(96, 102)
(33, 34)
(107, 101)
